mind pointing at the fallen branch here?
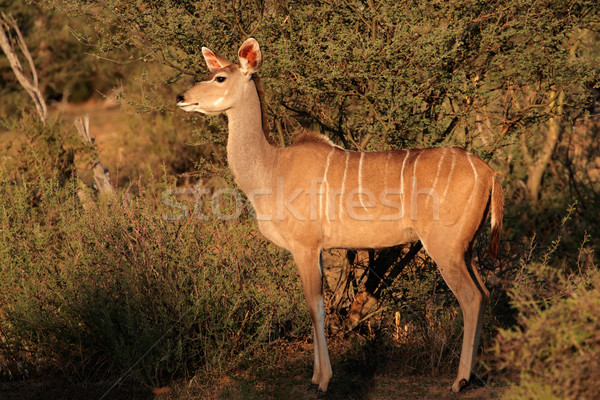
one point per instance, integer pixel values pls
(101, 180)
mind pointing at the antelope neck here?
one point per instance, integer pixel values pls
(250, 156)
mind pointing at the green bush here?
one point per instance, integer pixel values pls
(556, 352)
(554, 349)
(94, 290)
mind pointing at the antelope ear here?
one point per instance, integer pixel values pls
(250, 57)
(214, 61)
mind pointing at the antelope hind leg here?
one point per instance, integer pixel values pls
(472, 297)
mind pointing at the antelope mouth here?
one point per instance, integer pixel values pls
(189, 106)
(195, 107)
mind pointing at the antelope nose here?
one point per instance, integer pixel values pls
(179, 98)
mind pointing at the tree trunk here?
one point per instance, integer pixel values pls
(536, 168)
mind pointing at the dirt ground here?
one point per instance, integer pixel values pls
(379, 387)
(361, 372)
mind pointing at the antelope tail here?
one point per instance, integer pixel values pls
(497, 208)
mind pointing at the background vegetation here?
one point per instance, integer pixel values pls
(137, 286)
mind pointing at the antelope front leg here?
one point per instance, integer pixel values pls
(308, 261)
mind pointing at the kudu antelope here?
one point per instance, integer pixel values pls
(314, 195)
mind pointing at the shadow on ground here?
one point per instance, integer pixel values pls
(369, 373)
(362, 370)
(62, 388)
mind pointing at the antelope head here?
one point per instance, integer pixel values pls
(224, 87)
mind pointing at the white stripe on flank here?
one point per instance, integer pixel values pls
(362, 155)
(414, 207)
(413, 183)
(385, 177)
(326, 184)
(464, 221)
(449, 175)
(344, 183)
(402, 180)
(469, 155)
(414, 178)
(437, 176)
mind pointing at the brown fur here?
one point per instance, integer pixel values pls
(265, 120)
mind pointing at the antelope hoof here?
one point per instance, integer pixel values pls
(459, 385)
(314, 388)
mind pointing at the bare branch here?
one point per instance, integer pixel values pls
(31, 85)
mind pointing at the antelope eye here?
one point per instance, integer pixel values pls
(220, 79)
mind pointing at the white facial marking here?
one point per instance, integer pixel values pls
(188, 107)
